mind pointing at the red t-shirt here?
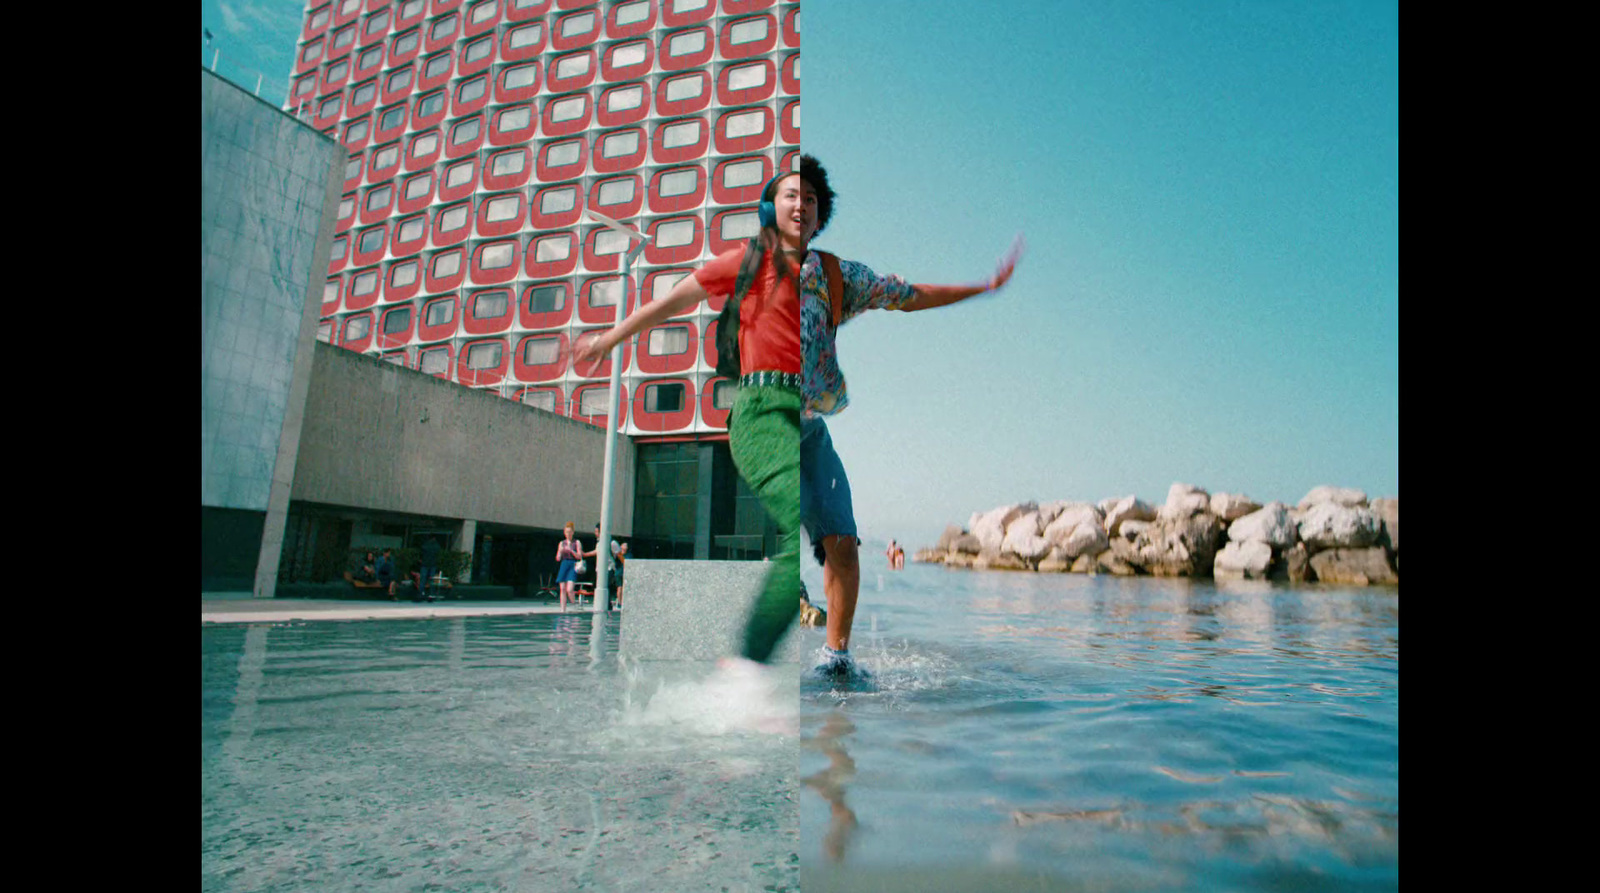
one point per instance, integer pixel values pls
(769, 322)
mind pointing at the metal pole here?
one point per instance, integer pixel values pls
(214, 54)
(258, 84)
(602, 589)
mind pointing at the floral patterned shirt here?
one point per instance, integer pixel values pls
(824, 386)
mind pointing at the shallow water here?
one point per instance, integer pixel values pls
(1059, 731)
(493, 753)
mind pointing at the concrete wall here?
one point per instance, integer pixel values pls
(269, 191)
(696, 610)
(382, 437)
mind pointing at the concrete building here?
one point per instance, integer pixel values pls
(475, 136)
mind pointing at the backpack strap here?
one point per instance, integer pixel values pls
(747, 271)
(830, 267)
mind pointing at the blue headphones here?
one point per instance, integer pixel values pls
(768, 210)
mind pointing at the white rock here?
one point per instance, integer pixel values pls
(1184, 500)
(1329, 525)
(1337, 495)
(1088, 538)
(1024, 524)
(1128, 508)
(1229, 506)
(1270, 524)
(1030, 547)
(990, 527)
(1241, 560)
(1068, 519)
(1130, 530)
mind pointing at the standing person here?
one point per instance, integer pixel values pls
(568, 551)
(764, 425)
(825, 490)
(619, 558)
(430, 563)
(385, 571)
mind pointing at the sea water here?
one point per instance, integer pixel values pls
(1060, 731)
(492, 753)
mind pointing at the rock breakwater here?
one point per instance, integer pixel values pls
(1334, 534)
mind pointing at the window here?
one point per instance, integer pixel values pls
(403, 274)
(631, 13)
(431, 104)
(338, 247)
(608, 241)
(400, 80)
(483, 12)
(478, 49)
(329, 106)
(516, 119)
(424, 144)
(472, 89)
(555, 201)
(665, 282)
(347, 206)
(722, 394)
(748, 31)
(595, 401)
(569, 108)
(521, 76)
(436, 65)
(465, 132)
(685, 134)
(446, 264)
(607, 293)
(439, 312)
(629, 54)
(508, 163)
(371, 240)
(405, 43)
(578, 25)
(357, 328)
(397, 358)
(330, 292)
(319, 18)
(410, 230)
(674, 234)
(435, 361)
(747, 76)
(615, 192)
(369, 57)
(392, 118)
(364, 283)
(742, 173)
(527, 35)
(379, 197)
(489, 305)
(552, 248)
(547, 299)
(357, 131)
(617, 145)
(688, 86)
(669, 341)
(352, 167)
(679, 7)
(745, 124)
(622, 100)
(446, 26)
(410, 8)
(545, 400)
(312, 52)
(575, 65)
(337, 70)
(452, 219)
(325, 332)
(503, 208)
(458, 174)
(684, 44)
(342, 37)
(740, 226)
(397, 320)
(305, 86)
(680, 182)
(562, 154)
(386, 156)
(376, 23)
(541, 351)
(664, 397)
(485, 355)
(498, 256)
(348, 7)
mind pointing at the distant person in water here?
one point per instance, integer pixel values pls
(897, 556)
(828, 515)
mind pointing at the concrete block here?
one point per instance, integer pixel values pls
(694, 610)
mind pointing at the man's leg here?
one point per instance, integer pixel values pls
(841, 579)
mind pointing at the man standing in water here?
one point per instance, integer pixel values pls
(826, 508)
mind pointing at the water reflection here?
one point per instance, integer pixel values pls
(829, 782)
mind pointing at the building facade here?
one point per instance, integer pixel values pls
(477, 135)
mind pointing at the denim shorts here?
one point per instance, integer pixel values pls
(825, 508)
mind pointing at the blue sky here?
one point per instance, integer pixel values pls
(1210, 192)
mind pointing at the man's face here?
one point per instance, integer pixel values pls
(797, 209)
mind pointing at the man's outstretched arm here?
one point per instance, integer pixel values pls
(931, 296)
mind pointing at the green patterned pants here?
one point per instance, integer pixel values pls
(764, 437)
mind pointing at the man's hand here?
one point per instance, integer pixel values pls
(1008, 264)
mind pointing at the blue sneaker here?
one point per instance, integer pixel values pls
(838, 668)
